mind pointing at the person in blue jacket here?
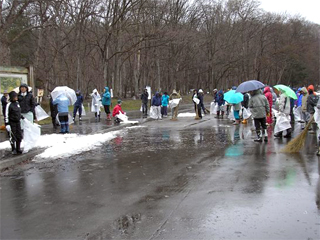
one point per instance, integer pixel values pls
(156, 104)
(106, 102)
(221, 102)
(78, 106)
(164, 103)
(63, 111)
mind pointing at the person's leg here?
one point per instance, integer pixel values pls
(166, 111)
(264, 129)
(257, 124)
(80, 111)
(75, 109)
(62, 124)
(66, 120)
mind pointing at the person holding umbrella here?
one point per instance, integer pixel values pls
(63, 102)
(260, 109)
(234, 98)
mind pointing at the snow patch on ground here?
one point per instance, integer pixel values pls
(136, 127)
(72, 144)
(186, 115)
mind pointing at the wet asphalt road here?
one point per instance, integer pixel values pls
(168, 180)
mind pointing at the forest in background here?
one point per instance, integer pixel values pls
(166, 44)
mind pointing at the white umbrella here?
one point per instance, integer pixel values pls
(70, 93)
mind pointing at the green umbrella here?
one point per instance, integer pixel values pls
(286, 90)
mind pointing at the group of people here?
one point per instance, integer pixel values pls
(159, 104)
(261, 102)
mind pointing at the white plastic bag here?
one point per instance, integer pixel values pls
(196, 100)
(246, 113)
(282, 124)
(297, 114)
(123, 117)
(153, 113)
(141, 109)
(173, 103)
(40, 113)
(231, 114)
(31, 134)
(213, 108)
(317, 116)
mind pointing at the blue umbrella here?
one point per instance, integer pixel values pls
(250, 86)
(233, 97)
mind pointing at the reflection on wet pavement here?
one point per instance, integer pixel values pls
(168, 181)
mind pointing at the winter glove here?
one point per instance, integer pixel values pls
(8, 127)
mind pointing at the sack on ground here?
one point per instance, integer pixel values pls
(282, 124)
(213, 108)
(31, 134)
(40, 113)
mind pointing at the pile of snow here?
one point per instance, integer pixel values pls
(136, 127)
(186, 115)
(67, 145)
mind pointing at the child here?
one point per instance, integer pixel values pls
(78, 106)
(259, 107)
(63, 112)
(220, 101)
(165, 102)
(116, 111)
(12, 121)
(95, 104)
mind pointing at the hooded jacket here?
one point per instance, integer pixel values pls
(312, 101)
(13, 113)
(106, 97)
(219, 98)
(165, 100)
(268, 95)
(259, 105)
(274, 96)
(27, 102)
(156, 100)
(117, 109)
(304, 98)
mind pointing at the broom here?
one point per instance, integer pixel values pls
(297, 143)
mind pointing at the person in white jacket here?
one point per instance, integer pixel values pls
(284, 107)
(96, 104)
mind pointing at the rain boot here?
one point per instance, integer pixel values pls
(288, 135)
(278, 135)
(18, 143)
(108, 117)
(258, 139)
(218, 114)
(13, 148)
(222, 113)
(265, 135)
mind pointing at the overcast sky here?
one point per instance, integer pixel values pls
(309, 9)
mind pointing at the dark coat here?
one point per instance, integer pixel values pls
(4, 104)
(27, 103)
(53, 109)
(144, 97)
(156, 100)
(13, 113)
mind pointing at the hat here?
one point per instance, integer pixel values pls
(5, 92)
(12, 95)
(119, 101)
(200, 91)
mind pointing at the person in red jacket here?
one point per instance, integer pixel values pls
(268, 95)
(116, 111)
